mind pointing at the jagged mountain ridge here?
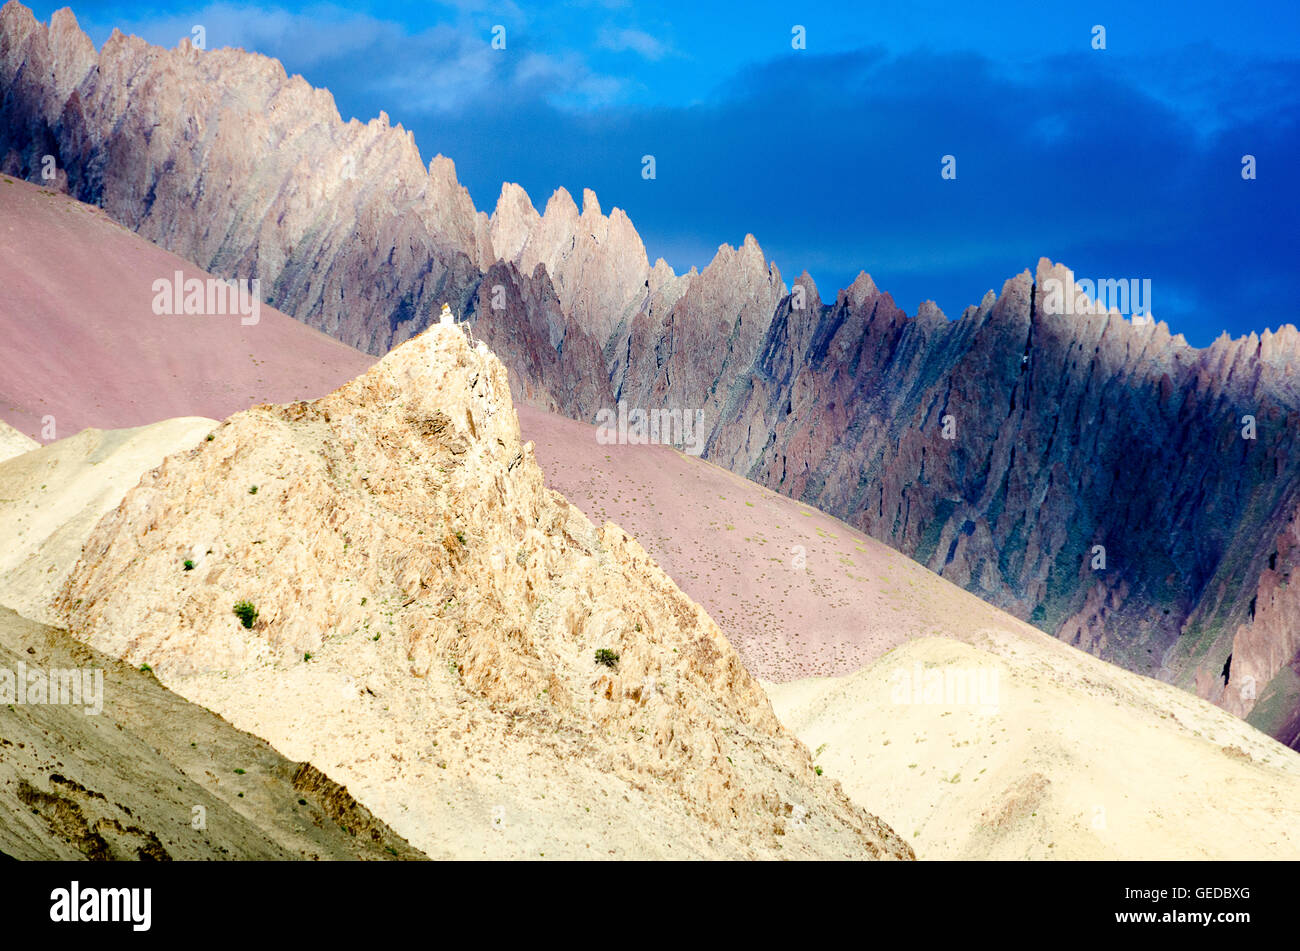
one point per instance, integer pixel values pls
(837, 404)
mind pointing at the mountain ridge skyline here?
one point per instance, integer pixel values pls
(855, 183)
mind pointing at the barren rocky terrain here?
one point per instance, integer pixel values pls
(998, 449)
(13, 443)
(418, 706)
(429, 625)
(53, 496)
(1074, 759)
(412, 564)
(798, 592)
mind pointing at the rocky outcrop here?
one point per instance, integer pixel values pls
(1081, 470)
(395, 541)
(597, 263)
(1260, 679)
(710, 337)
(555, 364)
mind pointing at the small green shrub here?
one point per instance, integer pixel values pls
(246, 613)
(607, 657)
(211, 436)
(252, 490)
(189, 564)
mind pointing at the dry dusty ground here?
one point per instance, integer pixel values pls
(79, 340)
(1075, 759)
(798, 592)
(13, 443)
(125, 783)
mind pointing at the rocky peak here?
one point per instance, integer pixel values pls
(513, 220)
(402, 536)
(597, 263)
(930, 315)
(809, 285)
(861, 290)
(561, 208)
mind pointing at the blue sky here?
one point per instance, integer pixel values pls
(1123, 162)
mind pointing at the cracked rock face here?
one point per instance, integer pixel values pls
(428, 617)
(1007, 450)
(1001, 449)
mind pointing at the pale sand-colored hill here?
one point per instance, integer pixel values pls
(52, 497)
(428, 619)
(80, 342)
(1077, 759)
(13, 443)
(151, 776)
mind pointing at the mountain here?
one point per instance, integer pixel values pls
(244, 171)
(800, 594)
(1011, 450)
(379, 581)
(155, 778)
(1067, 433)
(52, 497)
(125, 782)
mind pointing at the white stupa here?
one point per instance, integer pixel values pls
(446, 318)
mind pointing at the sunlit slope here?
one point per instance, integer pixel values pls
(1073, 759)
